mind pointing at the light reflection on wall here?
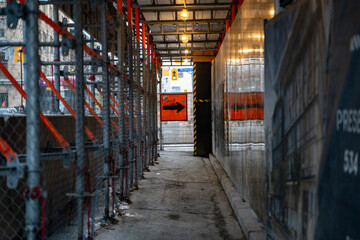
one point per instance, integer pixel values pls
(237, 95)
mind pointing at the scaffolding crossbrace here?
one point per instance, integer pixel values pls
(123, 135)
(59, 138)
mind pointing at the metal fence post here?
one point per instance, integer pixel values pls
(153, 109)
(56, 58)
(156, 108)
(148, 100)
(151, 137)
(106, 103)
(143, 97)
(80, 118)
(138, 100)
(32, 119)
(161, 137)
(121, 97)
(92, 87)
(131, 104)
(146, 110)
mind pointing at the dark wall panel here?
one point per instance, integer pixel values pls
(202, 108)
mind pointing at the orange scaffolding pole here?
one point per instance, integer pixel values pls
(58, 95)
(112, 106)
(93, 98)
(59, 138)
(90, 109)
(86, 104)
(7, 151)
(63, 32)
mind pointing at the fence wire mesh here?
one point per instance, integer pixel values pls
(76, 129)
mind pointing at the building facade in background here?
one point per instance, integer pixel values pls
(13, 59)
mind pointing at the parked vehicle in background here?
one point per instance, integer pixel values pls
(8, 110)
(4, 110)
(12, 110)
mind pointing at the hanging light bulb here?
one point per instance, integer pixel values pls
(186, 51)
(184, 14)
(272, 12)
(184, 38)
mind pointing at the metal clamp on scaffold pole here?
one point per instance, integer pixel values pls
(38, 193)
(13, 11)
(13, 171)
(67, 156)
(124, 151)
(84, 171)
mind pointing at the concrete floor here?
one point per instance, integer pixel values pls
(180, 199)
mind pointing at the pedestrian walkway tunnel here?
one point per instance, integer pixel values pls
(95, 94)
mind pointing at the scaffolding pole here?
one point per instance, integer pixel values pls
(106, 102)
(138, 99)
(56, 59)
(32, 211)
(80, 118)
(121, 95)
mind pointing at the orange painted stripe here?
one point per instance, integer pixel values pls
(7, 151)
(86, 104)
(53, 89)
(93, 98)
(119, 7)
(59, 138)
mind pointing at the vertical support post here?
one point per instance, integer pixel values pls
(32, 117)
(24, 63)
(148, 103)
(131, 93)
(56, 58)
(144, 125)
(121, 94)
(152, 103)
(106, 103)
(161, 137)
(80, 118)
(138, 97)
(92, 86)
(155, 110)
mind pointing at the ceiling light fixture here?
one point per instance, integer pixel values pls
(272, 12)
(184, 38)
(184, 14)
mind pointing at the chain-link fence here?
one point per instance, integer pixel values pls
(77, 115)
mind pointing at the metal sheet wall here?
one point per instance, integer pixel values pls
(311, 79)
(237, 109)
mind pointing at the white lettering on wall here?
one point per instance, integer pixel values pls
(351, 162)
(355, 43)
(348, 120)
